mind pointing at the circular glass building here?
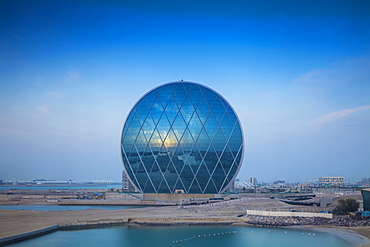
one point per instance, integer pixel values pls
(182, 137)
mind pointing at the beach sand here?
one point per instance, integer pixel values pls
(14, 222)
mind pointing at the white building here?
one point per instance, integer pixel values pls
(331, 181)
(252, 180)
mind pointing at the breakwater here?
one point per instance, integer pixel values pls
(28, 235)
(251, 220)
(117, 222)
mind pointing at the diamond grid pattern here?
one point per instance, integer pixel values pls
(182, 136)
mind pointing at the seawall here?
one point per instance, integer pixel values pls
(28, 235)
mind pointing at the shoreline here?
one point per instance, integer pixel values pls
(350, 236)
(354, 238)
(18, 224)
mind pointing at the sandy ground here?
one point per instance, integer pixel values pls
(13, 222)
(349, 234)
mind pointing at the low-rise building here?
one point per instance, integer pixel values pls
(366, 198)
(331, 181)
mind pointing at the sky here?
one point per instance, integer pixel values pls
(296, 72)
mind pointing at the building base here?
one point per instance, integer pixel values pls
(186, 198)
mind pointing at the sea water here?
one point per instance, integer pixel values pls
(62, 207)
(62, 187)
(194, 236)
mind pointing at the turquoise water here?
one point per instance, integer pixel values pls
(62, 187)
(229, 236)
(59, 207)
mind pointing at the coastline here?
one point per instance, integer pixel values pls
(352, 237)
(346, 234)
(20, 223)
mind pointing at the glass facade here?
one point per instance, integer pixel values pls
(366, 198)
(182, 137)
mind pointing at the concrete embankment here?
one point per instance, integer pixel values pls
(114, 203)
(116, 222)
(28, 235)
(348, 235)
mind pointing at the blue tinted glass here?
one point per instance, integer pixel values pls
(182, 136)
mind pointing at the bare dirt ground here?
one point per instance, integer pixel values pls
(14, 222)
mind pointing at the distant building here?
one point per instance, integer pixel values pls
(252, 180)
(126, 183)
(366, 197)
(45, 181)
(364, 182)
(331, 181)
(279, 182)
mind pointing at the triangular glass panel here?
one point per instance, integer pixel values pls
(128, 122)
(179, 95)
(211, 159)
(163, 187)
(210, 188)
(227, 127)
(178, 127)
(140, 142)
(178, 159)
(155, 142)
(179, 186)
(127, 144)
(188, 87)
(219, 142)
(173, 87)
(228, 151)
(226, 165)
(171, 176)
(239, 155)
(203, 110)
(147, 156)
(187, 176)
(232, 172)
(171, 141)
(142, 109)
(165, 99)
(195, 158)
(163, 158)
(211, 126)
(195, 126)
(231, 114)
(218, 110)
(210, 97)
(194, 187)
(156, 111)
(163, 127)
(226, 155)
(235, 139)
(171, 110)
(195, 95)
(148, 188)
(148, 127)
(155, 176)
(218, 177)
(150, 98)
(203, 141)
(133, 131)
(202, 176)
(187, 110)
(186, 141)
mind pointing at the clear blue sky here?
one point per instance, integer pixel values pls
(296, 72)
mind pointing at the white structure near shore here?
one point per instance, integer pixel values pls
(288, 214)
